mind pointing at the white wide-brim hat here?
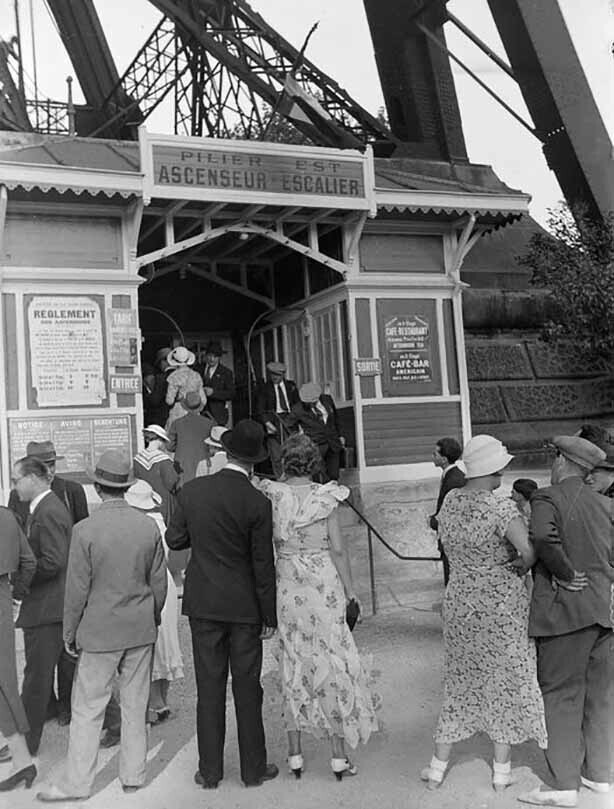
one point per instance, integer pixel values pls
(180, 356)
(215, 439)
(155, 429)
(484, 455)
(141, 495)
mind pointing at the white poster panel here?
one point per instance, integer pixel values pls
(66, 350)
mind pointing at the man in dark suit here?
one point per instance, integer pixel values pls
(48, 530)
(229, 596)
(72, 494)
(275, 399)
(316, 414)
(571, 531)
(219, 383)
(445, 456)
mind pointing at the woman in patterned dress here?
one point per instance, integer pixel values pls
(326, 690)
(490, 677)
(182, 381)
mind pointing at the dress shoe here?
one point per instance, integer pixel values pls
(296, 765)
(5, 754)
(550, 797)
(110, 739)
(25, 776)
(203, 782)
(64, 718)
(596, 786)
(128, 788)
(341, 767)
(434, 773)
(55, 795)
(271, 772)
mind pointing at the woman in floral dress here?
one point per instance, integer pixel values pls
(182, 381)
(326, 690)
(490, 677)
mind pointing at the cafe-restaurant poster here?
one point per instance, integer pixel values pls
(408, 347)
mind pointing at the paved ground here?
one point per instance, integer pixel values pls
(406, 647)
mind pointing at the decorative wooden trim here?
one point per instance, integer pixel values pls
(451, 201)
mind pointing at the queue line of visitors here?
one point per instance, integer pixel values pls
(493, 681)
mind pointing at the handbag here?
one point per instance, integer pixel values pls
(352, 611)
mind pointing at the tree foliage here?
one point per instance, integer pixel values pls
(575, 263)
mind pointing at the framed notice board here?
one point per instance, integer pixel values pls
(409, 347)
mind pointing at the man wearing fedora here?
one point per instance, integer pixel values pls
(317, 416)
(219, 383)
(48, 529)
(571, 530)
(115, 592)
(187, 437)
(72, 494)
(229, 597)
(275, 399)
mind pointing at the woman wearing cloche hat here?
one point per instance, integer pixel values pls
(490, 677)
(181, 381)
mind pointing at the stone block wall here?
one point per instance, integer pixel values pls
(524, 390)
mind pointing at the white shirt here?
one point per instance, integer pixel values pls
(280, 391)
(236, 468)
(37, 499)
(211, 369)
(321, 410)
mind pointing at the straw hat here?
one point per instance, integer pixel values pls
(484, 455)
(276, 367)
(155, 429)
(180, 356)
(141, 495)
(113, 469)
(215, 438)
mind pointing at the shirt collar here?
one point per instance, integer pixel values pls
(233, 467)
(37, 499)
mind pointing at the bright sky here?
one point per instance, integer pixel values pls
(342, 47)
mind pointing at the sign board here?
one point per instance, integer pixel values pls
(409, 347)
(65, 350)
(368, 366)
(81, 440)
(246, 171)
(123, 337)
(125, 383)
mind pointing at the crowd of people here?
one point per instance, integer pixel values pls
(527, 612)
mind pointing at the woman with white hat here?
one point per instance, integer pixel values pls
(217, 458)
(181, 381)
(490, 677)
(156, 466)
(167, 659)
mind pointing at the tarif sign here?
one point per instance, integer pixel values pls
(236, 171)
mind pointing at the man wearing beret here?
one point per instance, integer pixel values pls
(570, 619)
(274, 402)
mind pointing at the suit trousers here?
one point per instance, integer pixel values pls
(43, 648)
(575, 672)
(92, 689)
(216, 645)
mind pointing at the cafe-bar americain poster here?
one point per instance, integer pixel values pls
(408, 344)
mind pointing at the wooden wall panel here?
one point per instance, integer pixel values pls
(401, 252)
(10, 351)
(365, 344)
(62, 241)
(407, 433)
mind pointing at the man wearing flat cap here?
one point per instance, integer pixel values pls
(219, 383)
(275, 399)
(317, 416)
(115, 592)
(571, 530)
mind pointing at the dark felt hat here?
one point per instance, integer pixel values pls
(44, 451)
(214, 347)
(245, 442)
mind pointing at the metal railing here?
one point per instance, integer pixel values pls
(371, 531)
